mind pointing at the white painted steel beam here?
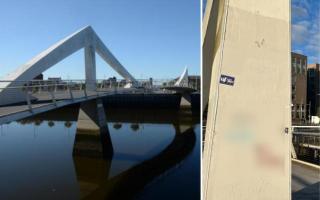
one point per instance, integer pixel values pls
(84, 38)
(90, 67)
(183, 80)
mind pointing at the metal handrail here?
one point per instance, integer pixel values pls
(155, 82)
(306, 128)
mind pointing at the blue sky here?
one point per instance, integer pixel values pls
(305, 36)
(151, 38)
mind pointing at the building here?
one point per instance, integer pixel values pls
(147, 83)
(194, 82)
(55, 79)
(112, 81)
(313, 89)
(299, 87)
(39, 77)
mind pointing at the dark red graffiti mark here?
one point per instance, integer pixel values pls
(267, 158)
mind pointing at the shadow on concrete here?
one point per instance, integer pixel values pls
(300, 180)
(311, 192)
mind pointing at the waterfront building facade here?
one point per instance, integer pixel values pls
(299, 87)
(313, 89)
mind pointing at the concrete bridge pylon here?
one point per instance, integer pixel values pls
(247, 84)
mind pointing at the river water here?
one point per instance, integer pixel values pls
(154, 154)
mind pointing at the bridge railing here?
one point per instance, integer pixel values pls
(36, 91)
(165, 83)
(306, 143)
(61, 85)
(80, 84)
(39, 91)
(308, 135)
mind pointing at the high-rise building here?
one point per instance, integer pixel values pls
(299, 87)
(313, 89)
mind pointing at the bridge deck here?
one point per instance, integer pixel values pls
(305, 182)
(4, 111)
(44, 103)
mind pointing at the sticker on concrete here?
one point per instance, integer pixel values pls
(227, 80)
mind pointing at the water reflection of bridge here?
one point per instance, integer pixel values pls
(132, 180)
(93, 160)
(181, 117)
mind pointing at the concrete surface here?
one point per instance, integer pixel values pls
(305, 183)
(245, 137)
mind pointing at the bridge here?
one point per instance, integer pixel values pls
(22, 96)
(306, 143)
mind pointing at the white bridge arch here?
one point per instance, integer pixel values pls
(84, 38)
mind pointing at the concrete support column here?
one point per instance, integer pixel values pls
(92, 123)
(90, 66)
(185, 100)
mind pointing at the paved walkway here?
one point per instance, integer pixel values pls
(305, 183)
